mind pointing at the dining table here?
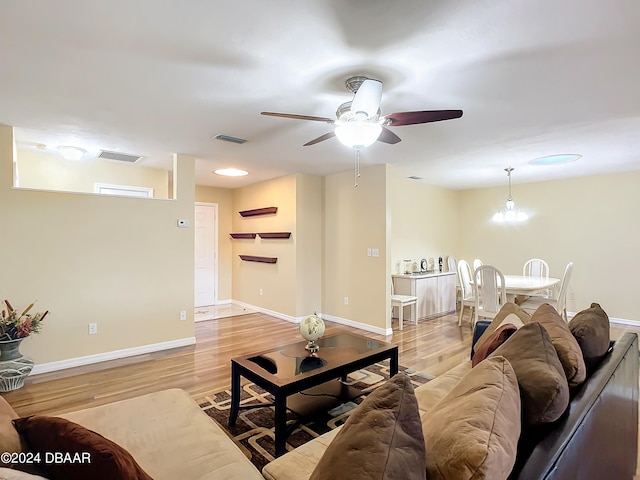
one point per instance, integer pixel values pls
(527, 286)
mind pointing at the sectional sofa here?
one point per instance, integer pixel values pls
(479, 420)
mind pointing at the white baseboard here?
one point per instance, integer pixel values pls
(387, 332)
(279, 315)
(624, 321)
(325, 316)
(224, 302)
(113, 355)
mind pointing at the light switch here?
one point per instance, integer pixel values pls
(375, 252)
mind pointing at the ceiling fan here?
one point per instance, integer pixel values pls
(359, 123)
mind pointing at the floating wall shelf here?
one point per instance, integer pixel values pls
(258, 211)
(275, 235)
(252, 258)
(243, 235)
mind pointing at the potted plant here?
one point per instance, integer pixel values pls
(15, 327)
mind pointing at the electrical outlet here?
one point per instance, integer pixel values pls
(93, 328)
(346, 300)
(571, 295)
(183, 314)
(260, 292)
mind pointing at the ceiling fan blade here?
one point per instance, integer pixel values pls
(367, 98)
(387, 136)
(298, 117)
(322, 138)
(413, 118)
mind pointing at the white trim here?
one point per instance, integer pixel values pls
(279, 315)
(224, 302)
(387, 332)
(122, 190)
(113, 355)
(623, 321)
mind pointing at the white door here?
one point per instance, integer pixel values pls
(206, 220)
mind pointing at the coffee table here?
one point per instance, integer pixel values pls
(302, 382)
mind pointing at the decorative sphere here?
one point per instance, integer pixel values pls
(312, 327)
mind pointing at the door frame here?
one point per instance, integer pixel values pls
(215, 247)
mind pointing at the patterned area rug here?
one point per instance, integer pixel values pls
(254, 429)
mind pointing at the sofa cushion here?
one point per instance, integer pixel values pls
(90, 454)
(381, 439)
(493, 341)
(9, 438)
(591, 329)
(472, 433)
(429, 394)
(564, 342)
(11, 474)
(508, 313)
(170, 437)
(543, 385)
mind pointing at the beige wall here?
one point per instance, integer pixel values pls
(309, 244)
(356, 219)
(120, 262)
(222, 197)
(277, 281)
(423, 221)
(52, 172)
(592, 221)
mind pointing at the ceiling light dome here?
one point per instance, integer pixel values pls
(231, 172)
(71, 153)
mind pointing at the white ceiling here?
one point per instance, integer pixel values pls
(147, 77)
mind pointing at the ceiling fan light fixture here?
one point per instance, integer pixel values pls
(358, 135)
(231, 172)
(71, 153)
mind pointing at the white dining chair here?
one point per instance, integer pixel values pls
(489, 290)
(536, 267)
(466, 289)
(559, 303)
(402, 301)
(476, 263)
(452, 264)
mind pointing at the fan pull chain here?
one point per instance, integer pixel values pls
(356, 167)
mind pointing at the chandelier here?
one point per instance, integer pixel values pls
(510, 214)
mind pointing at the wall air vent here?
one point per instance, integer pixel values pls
(227, 138)
(120, 157)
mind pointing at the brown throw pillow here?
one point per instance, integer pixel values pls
(543, 385)
(493, 341)
(518, 315)
(564, 342)
(381, 439)
(107, 460)
(591, 329)
(472, 433)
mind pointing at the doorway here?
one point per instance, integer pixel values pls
(206, 254)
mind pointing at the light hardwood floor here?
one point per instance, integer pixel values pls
(433, 346)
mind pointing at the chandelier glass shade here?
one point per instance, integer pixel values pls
(358, 134)
(510, 214)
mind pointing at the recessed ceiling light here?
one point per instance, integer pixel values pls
(230, 172)
(71, 153)
(555, 159)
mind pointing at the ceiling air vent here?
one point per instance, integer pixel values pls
(120, 157)
(227, 138)
(413, 177)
